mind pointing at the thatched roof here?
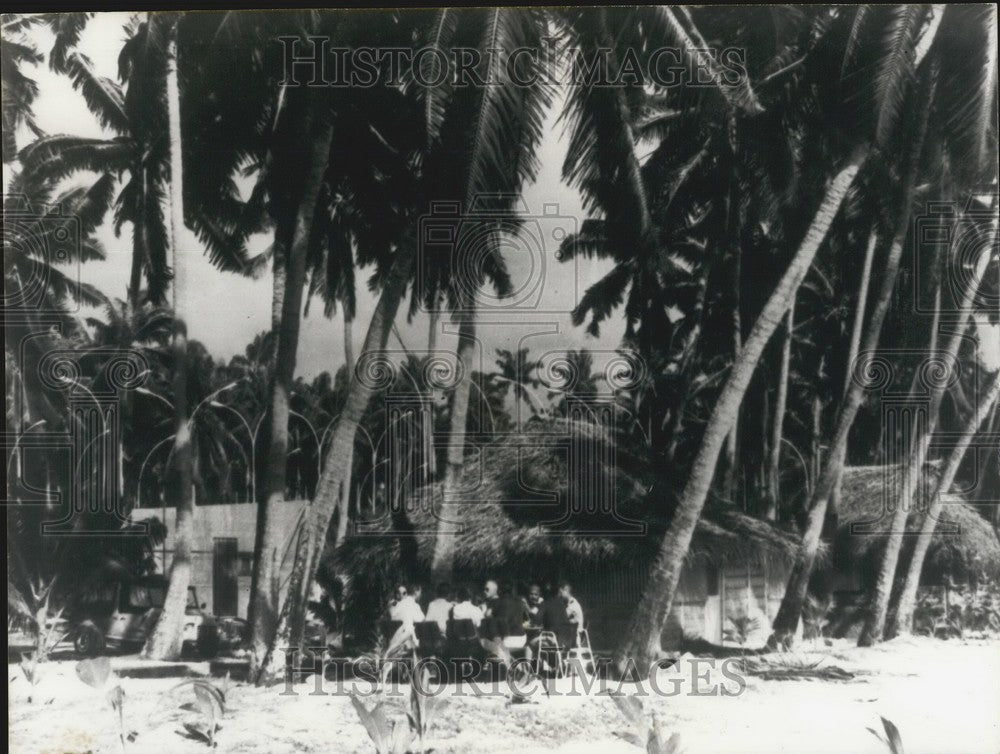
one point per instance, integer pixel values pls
(964, 543)
(517, 491)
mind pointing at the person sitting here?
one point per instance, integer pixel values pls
(535, 602)
(491, 595)
(464, 609)
(555, 618)
(511, 614)
(573, 609)
(398, 594)
(440, 607)
(407, 608)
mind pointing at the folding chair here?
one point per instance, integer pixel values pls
(582, 652)
(462, 630)
(429, 636)
(548, 645)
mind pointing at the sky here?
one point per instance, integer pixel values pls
(227, 311)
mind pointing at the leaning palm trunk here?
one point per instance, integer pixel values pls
(903, 621)
(856, 329)
(444, 540)
(642, 644)
(319, 513)
(344, 502)
(165, 643)
(875, 624)
(266, 607)
(781, 400)
(786, 622)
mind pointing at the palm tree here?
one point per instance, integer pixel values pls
(485, 167)
(485, 122)
(580, 384)
(903, 619)
(19, 91)
(875, 625)
(642, 645)
(896, 105)
(517, 371)
(165, 642)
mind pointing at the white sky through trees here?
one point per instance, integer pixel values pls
(227, 311)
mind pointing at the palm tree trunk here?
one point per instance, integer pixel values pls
(774, 470)
(348, 343)
(266, 610)
(277, 304)
(444, 540)
(786, 622)
(732, 441)
(432, 328)
(318, 515)
(875, 625)
(165, 642)
(642, 642)
(852, 353)
(903, 620)
(345, 487)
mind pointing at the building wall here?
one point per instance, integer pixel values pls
(232, 520)
(705, 601)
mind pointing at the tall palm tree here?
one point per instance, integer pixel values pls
(642, 645)
(501, 116)
(165, 642)
(903, 619)
(915, 68)
(909, 484)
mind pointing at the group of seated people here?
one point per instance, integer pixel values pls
(506, 614)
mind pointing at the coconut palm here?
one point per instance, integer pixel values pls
(903, 618)
(915, 62)
(503, 116)
(19, 90)
(165, 642)
(517, 372)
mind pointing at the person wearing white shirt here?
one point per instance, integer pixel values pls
(407, 609)
(465, 610)
(440, 608)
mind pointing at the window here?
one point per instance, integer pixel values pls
(712, 580)
(246, 564)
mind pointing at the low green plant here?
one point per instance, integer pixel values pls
(384, 656)
(892, 740)
(210, 705)
(96, 673)
(395, 736)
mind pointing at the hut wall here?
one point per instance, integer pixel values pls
(706, 599)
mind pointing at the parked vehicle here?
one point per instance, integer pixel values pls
(137, 608)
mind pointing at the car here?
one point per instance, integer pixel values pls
(138, 606)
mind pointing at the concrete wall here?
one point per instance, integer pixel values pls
(232, 520)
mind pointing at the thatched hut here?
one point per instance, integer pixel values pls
(965, 547)
(524, 519)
